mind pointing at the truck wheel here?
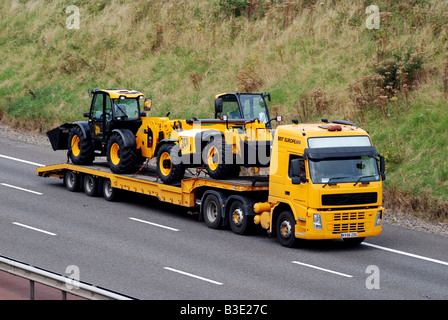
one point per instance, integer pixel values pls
(215, 156)
(238, 219)
(169, 172)
(121, 157)
(286, 229)
(80, 148)
(109, 193)
(90, 185)
(212, 211)
(71, 181)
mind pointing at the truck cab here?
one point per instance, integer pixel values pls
(325, 183)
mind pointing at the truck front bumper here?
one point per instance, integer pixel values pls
(357, 223)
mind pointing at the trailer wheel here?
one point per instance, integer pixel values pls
(90, 185)
(71, 181)
(212, 211)
(286, 229)
(238, 219)
(109, 193)
(168, 170)
(215, 160)
(80, 147)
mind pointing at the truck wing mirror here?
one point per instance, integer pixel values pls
(218, 105)
(298, 171)
(382, 168)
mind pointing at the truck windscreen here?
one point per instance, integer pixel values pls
(357, 169)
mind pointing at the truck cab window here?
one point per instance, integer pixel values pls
(301, 171)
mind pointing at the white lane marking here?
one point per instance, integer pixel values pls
(23, 161)
(193, 276)
(35, 229)
(406, 253)
(22, 189)
(154, 224)
(322, 269)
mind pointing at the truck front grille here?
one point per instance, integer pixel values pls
(349, 227)
(351, 221)
(344, 216)
(349, 199)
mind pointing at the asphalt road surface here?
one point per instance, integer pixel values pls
(146, 249)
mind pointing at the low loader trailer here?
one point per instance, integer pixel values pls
(324, 182)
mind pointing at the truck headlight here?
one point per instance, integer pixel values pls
(317, 221)
(379, 218)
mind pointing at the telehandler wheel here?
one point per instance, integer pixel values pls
(80, 147)
(121, 157)
(168, 170)
(215, 160)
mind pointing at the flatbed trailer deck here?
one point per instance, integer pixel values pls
(211, 198)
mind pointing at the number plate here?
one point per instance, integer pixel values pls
(349, 235)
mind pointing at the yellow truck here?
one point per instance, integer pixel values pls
(324, 182)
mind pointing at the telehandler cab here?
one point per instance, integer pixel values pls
(114, 119)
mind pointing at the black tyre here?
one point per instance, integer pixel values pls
(110, 193)
(239, 221)
(286, 229)
(215, 160)
(90, 185)
(122, 157)
(235, 171)
(71, 181)
(169, 170)
(212, 211)
(80, 147)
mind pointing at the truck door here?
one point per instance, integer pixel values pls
(297, 182)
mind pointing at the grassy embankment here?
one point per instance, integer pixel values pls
(317, 58)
